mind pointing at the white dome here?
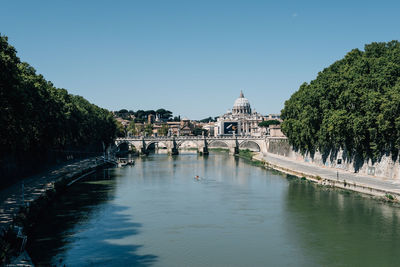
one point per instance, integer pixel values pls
(241, 102)
(241, 105)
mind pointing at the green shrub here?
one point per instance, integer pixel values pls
(389, 196)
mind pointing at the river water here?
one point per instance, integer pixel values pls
(157, 214)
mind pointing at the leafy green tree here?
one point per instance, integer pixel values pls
(148, 129)
(268, 123)
(164, 114)
(121, 131)
(209, 119)
(163, 131)
(199, 131)
(353, 105)
(41, 124)
(132, 128)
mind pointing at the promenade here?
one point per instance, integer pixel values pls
(378, 186)
(34, 186)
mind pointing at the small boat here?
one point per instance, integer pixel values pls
(122, 164)
(125, 161)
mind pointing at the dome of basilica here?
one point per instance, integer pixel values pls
(241, 105)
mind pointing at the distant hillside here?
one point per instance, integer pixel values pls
(354, 104)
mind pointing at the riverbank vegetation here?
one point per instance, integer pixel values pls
(353, 105)
(41, 124)
(245, 153)
(218, 149)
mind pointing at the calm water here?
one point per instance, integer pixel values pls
(156, 214)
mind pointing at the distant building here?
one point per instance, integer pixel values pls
(151, 118)
(186, 127)
(210, 127)
(173, 128)
(241, 120)
(122, 121)
(274, 117)
(275, 131)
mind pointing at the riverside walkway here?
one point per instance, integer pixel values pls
(379, 184)
(34, 186)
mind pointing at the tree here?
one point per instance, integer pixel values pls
(163, 131)
(132, 128)
(353, 105)
(148, 129)
(139, 128)
(209, 119)
(39, 122)
(199, 131)
(121, 131)
(164, 114)
(267, 123)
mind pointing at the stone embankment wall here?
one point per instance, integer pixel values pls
(386, 167)
(39, 193)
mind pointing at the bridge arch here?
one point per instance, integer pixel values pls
(218, 144)
(122, 144)
(189, 144)
(250, 145)
(151, 145)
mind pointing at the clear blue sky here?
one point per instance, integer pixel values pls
(191, 57)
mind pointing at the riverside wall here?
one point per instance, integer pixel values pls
(40, 192)
(385, 167)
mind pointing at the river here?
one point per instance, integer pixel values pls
(157, 214)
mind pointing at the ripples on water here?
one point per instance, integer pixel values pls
(157, 213)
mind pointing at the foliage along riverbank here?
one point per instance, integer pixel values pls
(42, 124)
(353, 105)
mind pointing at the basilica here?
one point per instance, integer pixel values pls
(241, 120)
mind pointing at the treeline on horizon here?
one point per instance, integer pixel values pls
(353, 105)
(41, 124)
(141, 116)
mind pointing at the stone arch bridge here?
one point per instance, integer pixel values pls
(202, 143)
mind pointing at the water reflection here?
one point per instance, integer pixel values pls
(339, 228)
(236, 214)
(78, 230)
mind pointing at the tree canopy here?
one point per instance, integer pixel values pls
(141, 115)
(268, 123)
(37, 118)
(354, 105)
(209, 119)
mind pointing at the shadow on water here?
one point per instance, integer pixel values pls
(340, 228)
(84, 217)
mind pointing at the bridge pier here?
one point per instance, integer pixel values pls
(203, 150)
(174, 148)
(143, 149)
(234, 150)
